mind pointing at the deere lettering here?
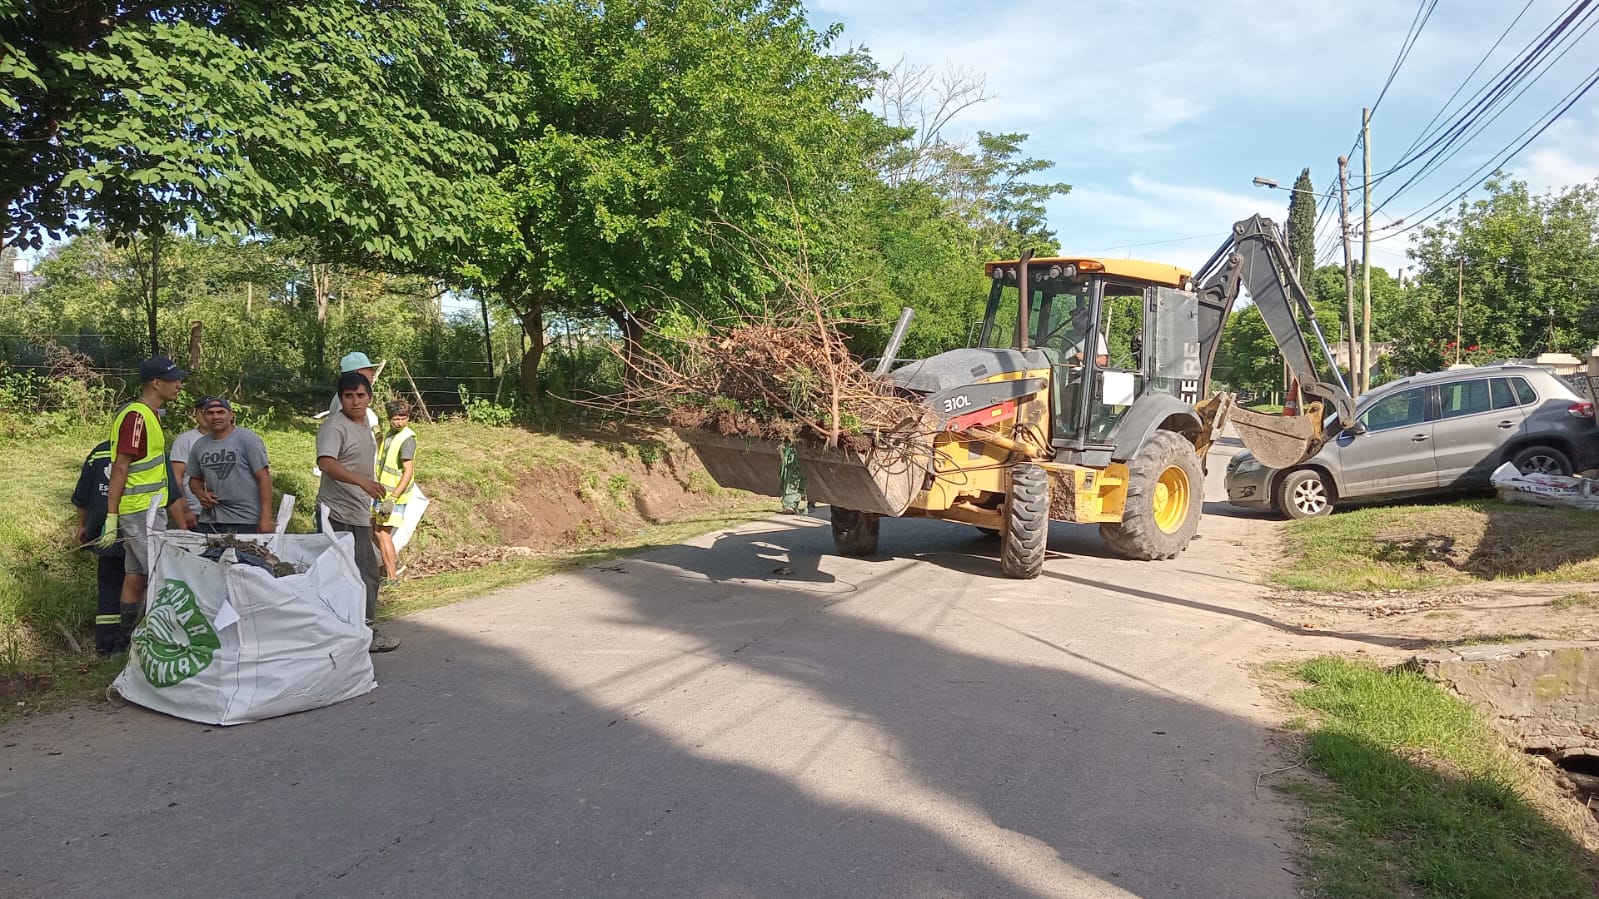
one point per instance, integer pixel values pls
(175, 641)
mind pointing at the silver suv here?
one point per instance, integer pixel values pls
(1433, 433)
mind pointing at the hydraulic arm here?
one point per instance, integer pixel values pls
(1255, 259)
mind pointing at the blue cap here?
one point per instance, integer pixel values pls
(160, 368)
(355, 362)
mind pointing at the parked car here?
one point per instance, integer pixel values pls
(1435, 433)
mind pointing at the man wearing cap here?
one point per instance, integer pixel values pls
(359, 363)
(110, 631)
(228, 473)
(138, 479)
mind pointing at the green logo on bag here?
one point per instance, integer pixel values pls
(175, 642)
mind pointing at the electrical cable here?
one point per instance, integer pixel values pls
(1440, 156)
(1532, 60)
(1427, 129)
(1497, 160)
(1417, 23)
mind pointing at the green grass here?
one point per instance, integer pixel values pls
(469, 470)
(1574, 601)
(1414, 547)
(1420, 798)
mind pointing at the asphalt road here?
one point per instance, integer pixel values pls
(691, 722)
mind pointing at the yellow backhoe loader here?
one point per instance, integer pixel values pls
(1085, 398)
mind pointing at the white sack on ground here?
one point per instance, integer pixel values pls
(226, 642)
(1545, 489)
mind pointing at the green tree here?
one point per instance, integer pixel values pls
(1302, 225)
(1517, 272)
(358, 124)
(664, 146)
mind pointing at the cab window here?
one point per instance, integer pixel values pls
(1402, 409)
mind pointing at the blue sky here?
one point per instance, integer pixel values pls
(1159, 113)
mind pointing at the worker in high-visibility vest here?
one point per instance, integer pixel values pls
(110, 631)
(138, 481)
(396, 472)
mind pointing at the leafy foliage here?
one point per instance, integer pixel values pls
(1530, 278)
(1302, 225)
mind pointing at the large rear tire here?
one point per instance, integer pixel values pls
(854, 533)
(1165, 493)
(1022, 546)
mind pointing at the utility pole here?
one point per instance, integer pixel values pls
(1460, 302)
(1351, 336)
(1365, 256)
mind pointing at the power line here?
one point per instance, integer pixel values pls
(1467, 80)
(1469, 123)
(1440, 156)
(1417, 22)
(1497, 160)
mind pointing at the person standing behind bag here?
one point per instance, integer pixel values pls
(396, 471)
(346, 452)
(139, 476)
(228, 473)
(89, 496)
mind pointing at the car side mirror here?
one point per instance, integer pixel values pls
(1356, 429)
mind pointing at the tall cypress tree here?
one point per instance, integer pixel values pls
(1302, 225)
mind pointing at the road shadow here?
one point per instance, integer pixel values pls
(617, 732)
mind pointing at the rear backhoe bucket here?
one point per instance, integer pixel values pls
(1279, 441)
(883, 480)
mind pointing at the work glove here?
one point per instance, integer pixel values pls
(108, 534)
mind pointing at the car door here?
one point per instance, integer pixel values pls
(1395, 452)
(1476, 417)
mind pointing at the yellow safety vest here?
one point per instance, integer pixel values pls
(147, 476)
(389, 466)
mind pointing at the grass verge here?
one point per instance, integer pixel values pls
(478, 476)
(1414, 547)
(1420, 798)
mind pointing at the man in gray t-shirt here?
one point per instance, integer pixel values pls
(228, 473)
(346, 453)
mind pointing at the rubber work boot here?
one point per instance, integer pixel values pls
(381, 643)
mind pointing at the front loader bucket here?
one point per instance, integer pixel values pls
(1279, 441)
(883, 480)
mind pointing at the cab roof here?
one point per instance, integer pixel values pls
(1136, 269)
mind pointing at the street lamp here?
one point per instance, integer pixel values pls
(1267, 182)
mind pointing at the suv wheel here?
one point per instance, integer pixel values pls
(1541, 460)
(1304, 494)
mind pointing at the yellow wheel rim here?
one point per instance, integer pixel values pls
(1171, 499)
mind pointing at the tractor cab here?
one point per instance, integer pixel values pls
(1110, 330)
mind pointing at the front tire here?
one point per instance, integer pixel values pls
(1304, 493)
(1165, 492)
(1541, 460)
(1022, 546)
(855, 533)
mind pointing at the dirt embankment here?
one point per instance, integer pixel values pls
(594, 498)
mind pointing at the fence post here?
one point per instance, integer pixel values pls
(426, 415)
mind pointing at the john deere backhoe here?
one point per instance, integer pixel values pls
(1085, 399)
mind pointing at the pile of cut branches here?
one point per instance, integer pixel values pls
(784, 373)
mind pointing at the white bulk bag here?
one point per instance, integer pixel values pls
(226, 642)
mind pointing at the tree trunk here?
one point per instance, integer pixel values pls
(488, 336)
(632, 326)
(194, 345)
(152, 297)
(321, 283)
(532, 317)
